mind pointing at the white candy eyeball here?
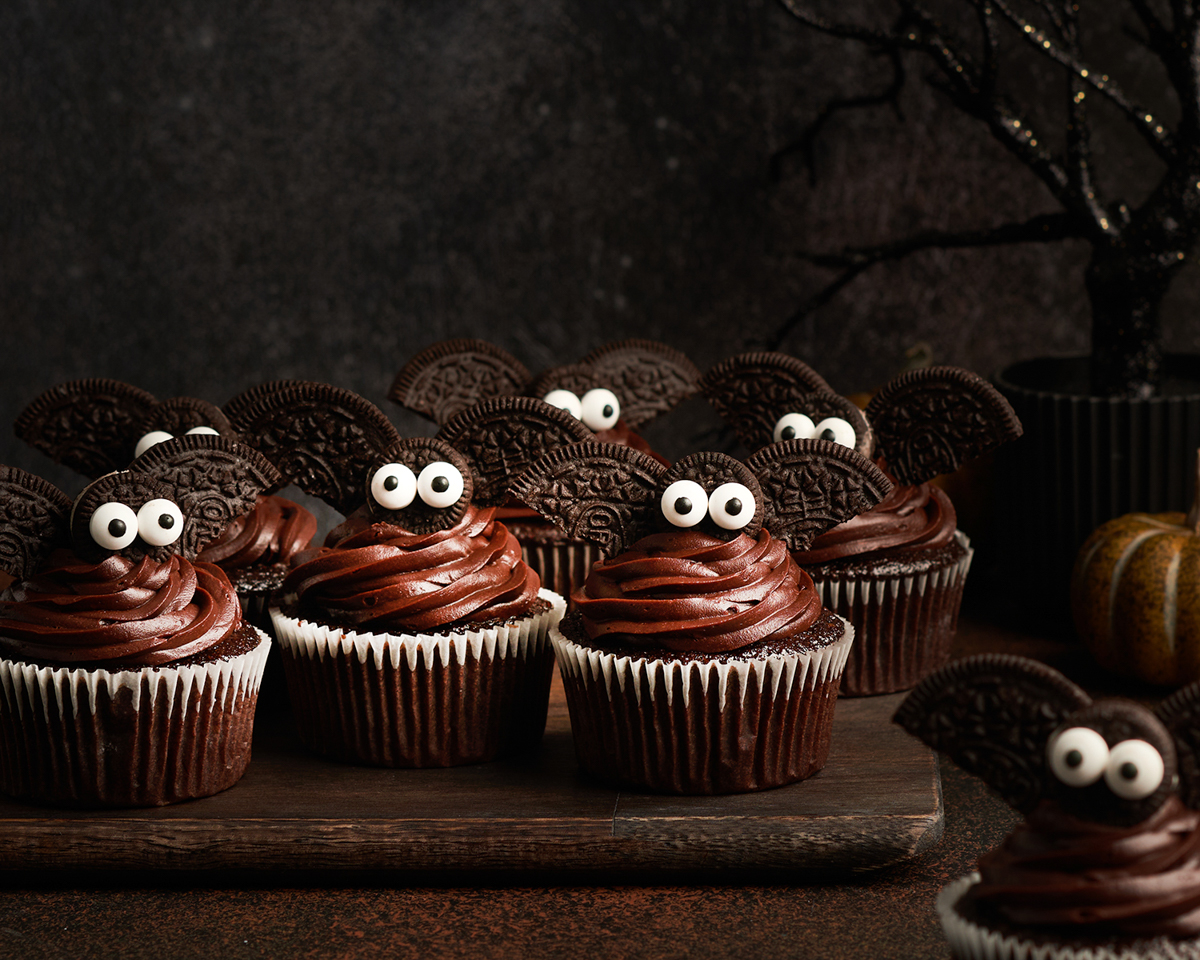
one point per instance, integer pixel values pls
(684, 503)
(149, 440)
(565, 400)
(835, 429)
(1134, 770)
(440, 484)
(1078, 756)
(203, 431)
(394, 486)
(794, 426)
(601, 409)
(113, 526)
(731, 506)
(159, 522)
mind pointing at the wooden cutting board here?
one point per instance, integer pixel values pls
(877, 802)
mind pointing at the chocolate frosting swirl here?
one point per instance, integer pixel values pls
(920, 517)
(687, 591)
(272, 532)
(1058, 871)
(382, 577)
(117, 613)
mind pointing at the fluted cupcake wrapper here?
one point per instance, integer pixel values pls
(701, 727)
(127, 738)
(905, 625)
(564, 566)
(404, 700)
(971, 941)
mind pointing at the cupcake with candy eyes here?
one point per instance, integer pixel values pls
(417, 635)
(128, 676)
(698, 657)
(612, 391)
(98, 425)
(897, 571)
(1106, 863)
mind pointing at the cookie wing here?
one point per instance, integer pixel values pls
(932, 421)
(322, 438)
(993, 716)
(602, 492)
(811, 485)
(88, 425)
(1180, 714)
(35, 517)
(447, 377)
(502, 436)
(648, 377)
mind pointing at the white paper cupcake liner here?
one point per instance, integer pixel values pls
(142, 737)
(970, 941)
(563, 567)
(905, 624)
(701, 727)
(417, 700)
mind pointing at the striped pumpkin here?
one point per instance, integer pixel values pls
(1135, 597)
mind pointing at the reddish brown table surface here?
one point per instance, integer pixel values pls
(887, 913)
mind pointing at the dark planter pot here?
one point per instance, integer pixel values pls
(1083, 460)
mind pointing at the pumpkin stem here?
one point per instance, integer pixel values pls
(1193, 517)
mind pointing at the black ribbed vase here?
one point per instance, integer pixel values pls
(1084, 460)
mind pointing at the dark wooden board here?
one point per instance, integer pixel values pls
(877, 802)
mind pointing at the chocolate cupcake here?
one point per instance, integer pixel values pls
(96, 426)
(417, 636)
(612, 391)
(128, 676)
(698, 658)
(897, 571)
(1107, 861)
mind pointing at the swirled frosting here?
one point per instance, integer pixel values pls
(272, 532)
(1058, 871)
(118, 613)
(383, 577)
(688, 591)
(910, 517)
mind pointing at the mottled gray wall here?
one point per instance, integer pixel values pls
(199, 197)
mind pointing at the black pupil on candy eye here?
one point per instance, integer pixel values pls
(828, 434)
(683, 506)
(608, 410)
(166, 521)
(1129, 770)
(440, 484)
(391, 483)
(116, 527)
(1073, 758)
(733, 507)
(788, 433)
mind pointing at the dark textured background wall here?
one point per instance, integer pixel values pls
(199, 197)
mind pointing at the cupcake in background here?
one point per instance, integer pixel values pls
(897, 572)
(98, 425)
(417, 635)
(128, 676)
(1107, 861)
(612, 391)
(698, 658)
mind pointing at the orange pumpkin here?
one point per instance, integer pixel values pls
(1135, 596)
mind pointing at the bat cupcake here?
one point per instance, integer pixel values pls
(698, 657)
(897, 571)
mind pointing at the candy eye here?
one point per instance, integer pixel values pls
(440, 484)
(159, 522)
(1134, 769)
(731, 506)
(565, 400)
(684, 503)
(835, 429)
(794, 426)
(203, 431)
(149, 440)
(601, 409)
(1078, 756)
(394, 486)
(113, 526)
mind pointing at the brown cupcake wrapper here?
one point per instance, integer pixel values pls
(701, 727)
(905, 625)
(975, 942)
(419, 700)
(563, 566)
(127, 738)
